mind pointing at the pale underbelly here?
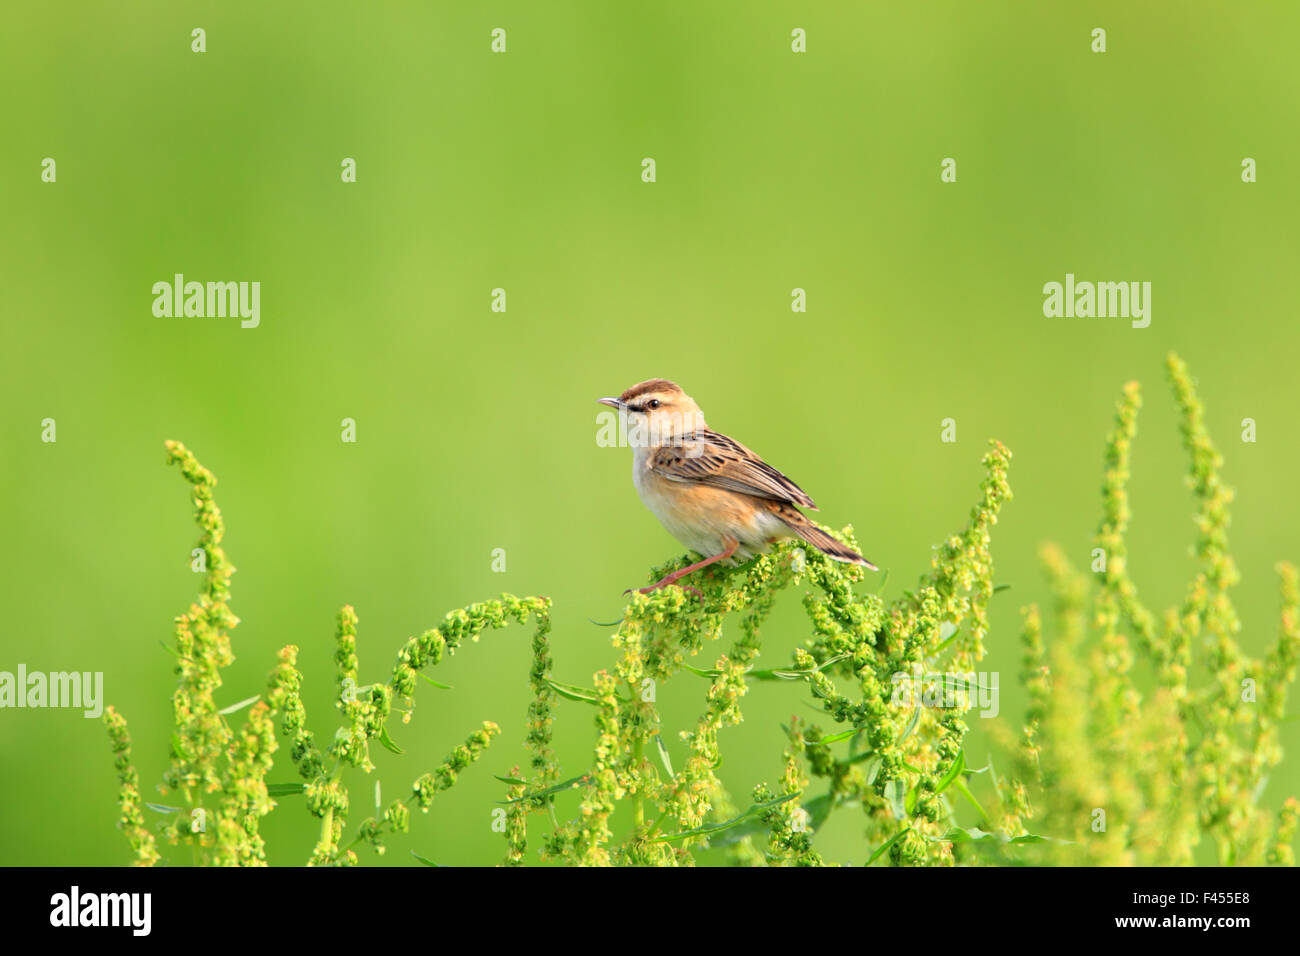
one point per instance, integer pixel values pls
(703, 518)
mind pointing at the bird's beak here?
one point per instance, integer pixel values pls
(611, 402)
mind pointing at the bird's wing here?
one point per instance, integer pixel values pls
(713, 459)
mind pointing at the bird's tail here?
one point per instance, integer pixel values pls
(795, 520)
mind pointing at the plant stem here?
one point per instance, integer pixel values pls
(638, 817)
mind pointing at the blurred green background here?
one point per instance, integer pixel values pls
(476, 430)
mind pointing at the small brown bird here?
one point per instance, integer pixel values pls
(710, 492)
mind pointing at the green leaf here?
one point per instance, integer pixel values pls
(436, 683)
(161, 807)
(976, 835)
(733, 836)
(874, 770)
(819, 810)
(832, 660)
(896, 796)
(778, 674)
(425, 860)
(948, 778)
(573, 692)
(179, 749)
(911, 724)
(701, 672)
(513, 781)
(967, 835)
(663, 755)
(787, 674)
(970, 797)
(235, 708)
(854, 743)
(711, 828)
(557, 788)
(884, 847)
(387, 741)
(285, 789)
(842, 735)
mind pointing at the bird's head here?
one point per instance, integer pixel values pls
(658, 410)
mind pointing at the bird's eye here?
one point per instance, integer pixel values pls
(654, 403)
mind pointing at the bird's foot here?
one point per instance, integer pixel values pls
(663, 583)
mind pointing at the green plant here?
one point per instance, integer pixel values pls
(1132, 777)
(1168, 767)
(221, 771)
(896, 762)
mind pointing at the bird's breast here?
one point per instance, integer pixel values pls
(702, 516)
(651, 487)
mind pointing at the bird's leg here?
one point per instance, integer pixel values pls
(677, 575)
